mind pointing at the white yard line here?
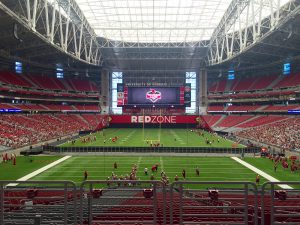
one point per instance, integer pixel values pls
(139, 162)
(177, 137)
(34, 173)
(128, 136)
(261, 173)
(161, 163)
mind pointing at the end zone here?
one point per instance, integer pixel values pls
(261, 173)
(43, 169)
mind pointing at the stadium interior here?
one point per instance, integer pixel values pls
(149, 112)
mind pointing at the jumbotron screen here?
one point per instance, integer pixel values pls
(148, 96)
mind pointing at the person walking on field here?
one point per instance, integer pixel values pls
(257, 179)
(85, 175)
(197, 172)
(183, 173)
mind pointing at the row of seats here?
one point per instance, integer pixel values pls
(21, 130)
(256, 95)
(232, 120)
(49, 107)
(212, 120)
(237, 108)
(245, 121)
(47, 82)
(260, 120)
(255, 83)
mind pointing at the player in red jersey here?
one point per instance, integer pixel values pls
(85, 175)
(14, 158)
(197, 171)
(153, 169)
(183, 173)
(257, 179)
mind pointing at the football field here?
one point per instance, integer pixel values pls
(136, 137)
(101, 166)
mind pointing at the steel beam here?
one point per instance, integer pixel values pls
(244, 25)
(50, 21)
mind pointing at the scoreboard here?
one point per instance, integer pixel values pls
(154, 96)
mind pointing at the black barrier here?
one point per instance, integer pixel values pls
(58, 149)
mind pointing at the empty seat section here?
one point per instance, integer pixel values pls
(289, 81)
(261, 120)
(14, 79)
(45, 82)
(242, 108)
(215, 108)
(263, 82)
(82, 85)
(281, 107)
(232, 120)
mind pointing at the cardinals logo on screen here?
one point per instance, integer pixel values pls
(153, 95)
(187, 89)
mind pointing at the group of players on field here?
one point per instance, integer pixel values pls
(133, 174)
(165, 179)
(7, 158)
(284, 162)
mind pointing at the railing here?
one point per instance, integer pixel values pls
(122, 202)
(225, 202)
(38, 202)
(148, 202)
(95, 149)
(280, 202)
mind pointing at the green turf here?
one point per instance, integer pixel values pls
(168, 138)
(24, 166)
(100, 167)
(267, 165)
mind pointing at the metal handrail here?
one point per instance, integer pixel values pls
(246, 188)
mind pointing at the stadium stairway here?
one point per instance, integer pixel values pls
(230, 121)
(235, 128)
(228, 86)
(276, 81)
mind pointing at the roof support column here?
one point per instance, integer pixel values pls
(202, 93)
(105, 93)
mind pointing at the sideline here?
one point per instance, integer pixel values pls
(34, 173)
(261, 173)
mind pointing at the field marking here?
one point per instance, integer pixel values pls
(128, 136)
(161, 163)
(43, 169)
(169, 167)
(261, 173)
(139, 161)
(177, 137)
